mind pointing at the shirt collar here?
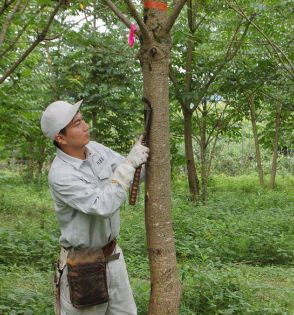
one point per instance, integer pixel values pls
(75, 162)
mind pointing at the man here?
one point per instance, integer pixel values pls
(88, 183)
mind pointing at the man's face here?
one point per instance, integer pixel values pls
(77, 133)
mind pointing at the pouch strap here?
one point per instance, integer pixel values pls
(60, 264)
(112, 257)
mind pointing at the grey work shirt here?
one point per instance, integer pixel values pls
(86, 201)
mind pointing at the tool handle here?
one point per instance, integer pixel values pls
(135, 186)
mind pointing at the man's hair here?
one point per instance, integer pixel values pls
(63, 132)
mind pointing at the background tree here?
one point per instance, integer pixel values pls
(206, 58)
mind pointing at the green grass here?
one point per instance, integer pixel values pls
(235, 253)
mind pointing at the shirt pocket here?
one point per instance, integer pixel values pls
(105, 172)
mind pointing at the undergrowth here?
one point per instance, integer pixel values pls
(235, 252)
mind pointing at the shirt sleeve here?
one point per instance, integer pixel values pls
(88, 197)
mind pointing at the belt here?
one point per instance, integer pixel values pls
(108, 250)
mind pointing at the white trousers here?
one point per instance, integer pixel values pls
(121, 300)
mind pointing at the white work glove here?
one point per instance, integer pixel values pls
(139, 154)
(124, 173)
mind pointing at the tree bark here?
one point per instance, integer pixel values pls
(275, 146)
(256, 141)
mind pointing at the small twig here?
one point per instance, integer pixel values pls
(48, 38)
(173, 16)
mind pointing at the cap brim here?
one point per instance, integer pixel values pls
(78, 104)
(75, 108)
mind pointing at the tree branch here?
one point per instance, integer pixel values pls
(118, 13)
(176, 86)
(8, 21)
(15, 40)
(173, 16)
(272, 97)
(189, 61)
(190, 49)
(191, 16)
(134, 13)
(39, 38)
(12, 44)
(216, 125)
(5, 6)
(21, 11)
(199, 23)
(275, 47)
(229, 55)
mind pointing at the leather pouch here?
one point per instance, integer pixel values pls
(87, 277)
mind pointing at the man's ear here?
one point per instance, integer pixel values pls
(59, 138)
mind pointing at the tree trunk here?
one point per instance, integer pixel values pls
(256, 142)
(211, 156)
(191, 169)
(154, 58)
(203, 153)
(165, 284)
(41, 158)
(275, 146)
(30, 159)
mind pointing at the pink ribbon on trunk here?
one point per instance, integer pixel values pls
(131, 38)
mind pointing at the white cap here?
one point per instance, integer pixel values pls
(57, 116)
